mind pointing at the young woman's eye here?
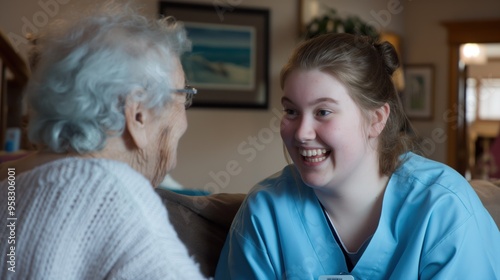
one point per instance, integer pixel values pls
(323, 113)
(290, 113)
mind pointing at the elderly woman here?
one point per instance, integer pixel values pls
(108, 101)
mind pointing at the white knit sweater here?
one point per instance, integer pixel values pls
(89, 219)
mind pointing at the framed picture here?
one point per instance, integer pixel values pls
(229, 59)
(418, 94)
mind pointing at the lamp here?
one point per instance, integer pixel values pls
(472, 53)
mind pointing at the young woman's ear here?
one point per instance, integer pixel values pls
(137, 117)
(378, 120)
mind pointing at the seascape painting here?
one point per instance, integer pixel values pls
(229, 59)
(222, 56)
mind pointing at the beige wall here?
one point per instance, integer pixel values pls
(246, 142)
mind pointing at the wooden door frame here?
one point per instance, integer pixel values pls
(461, 32)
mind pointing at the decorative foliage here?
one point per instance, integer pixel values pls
(332, 22)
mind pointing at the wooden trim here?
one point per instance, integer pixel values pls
(484, 31)
(452, 112)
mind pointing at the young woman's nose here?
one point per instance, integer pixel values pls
(305, 130)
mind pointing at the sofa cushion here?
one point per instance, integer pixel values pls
(202, 223)
(489, 193)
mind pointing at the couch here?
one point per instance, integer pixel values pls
(202, 222)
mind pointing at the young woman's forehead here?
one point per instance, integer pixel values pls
(314, 86)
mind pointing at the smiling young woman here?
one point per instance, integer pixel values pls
(357, 201)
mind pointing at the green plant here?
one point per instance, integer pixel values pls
(332, 22)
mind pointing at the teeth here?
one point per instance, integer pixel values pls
(312, 152)
(315, 159)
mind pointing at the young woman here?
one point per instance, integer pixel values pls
(356, 203)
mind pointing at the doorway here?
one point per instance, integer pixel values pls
(482, 108)
(462, 32)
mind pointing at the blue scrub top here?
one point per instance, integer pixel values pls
(432, 226)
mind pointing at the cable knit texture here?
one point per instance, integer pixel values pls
(91, 219)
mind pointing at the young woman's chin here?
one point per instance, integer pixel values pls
(314, 179)
(316, 185)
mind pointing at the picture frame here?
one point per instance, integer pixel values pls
(229, 61)
(418, 93)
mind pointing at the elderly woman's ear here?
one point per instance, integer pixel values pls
(137, 117)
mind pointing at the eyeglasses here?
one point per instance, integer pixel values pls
(190, 92)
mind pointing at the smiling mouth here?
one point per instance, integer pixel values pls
(314, 155)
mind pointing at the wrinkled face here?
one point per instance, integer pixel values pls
(169, 128)
(323, 129)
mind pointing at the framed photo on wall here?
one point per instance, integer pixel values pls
(418, 94)
(228, 63)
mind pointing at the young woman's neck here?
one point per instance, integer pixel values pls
(355, 206)
(355, 196)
